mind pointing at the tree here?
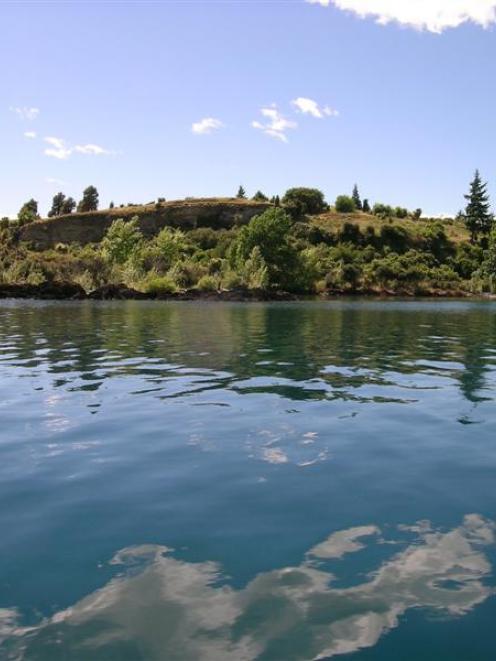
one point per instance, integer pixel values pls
(89, 201)
(269, 233)
(344, 204)
(28, 212)
(57, 204)
(260, 197)
(365, 206)
(241, 193)
(355, 196)
(111, 205)
(121, 240)
(69, 205)
(300, 202)
(478, 219)
(417, 214)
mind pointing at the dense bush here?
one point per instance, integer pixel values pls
(301, 202)
(344, 204)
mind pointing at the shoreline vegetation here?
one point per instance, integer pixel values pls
(239, 249)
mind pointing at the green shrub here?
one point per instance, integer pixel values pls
(208, 283)
(231, 280)
(344, 204)
(158, 284)
(186, 273)
(382, 210)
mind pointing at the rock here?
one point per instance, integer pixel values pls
(116, 292)
(45, 290)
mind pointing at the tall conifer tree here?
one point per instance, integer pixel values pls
(356, 198)
(477, 216)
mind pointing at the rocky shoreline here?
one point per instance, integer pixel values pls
(67, 291)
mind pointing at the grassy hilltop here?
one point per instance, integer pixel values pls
(298, 245)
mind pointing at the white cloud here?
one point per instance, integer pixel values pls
(58, 148)
(277, 124)
(206, 126)
(25, 112)
(30, 134)
(432, 15)
(93, 150)
(311, 107)
(55, 182)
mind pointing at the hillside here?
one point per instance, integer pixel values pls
(90, 227)
(186, 247)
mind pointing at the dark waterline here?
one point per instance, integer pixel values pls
(289, 481)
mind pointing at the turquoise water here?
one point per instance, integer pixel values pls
(247, 481)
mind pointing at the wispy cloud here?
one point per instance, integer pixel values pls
(59, 149)
(276, 125)
(92, 150)
(311, 107)
(432, 15)
(55, 182)
(31, 135)
(206, 125)
(25, 112)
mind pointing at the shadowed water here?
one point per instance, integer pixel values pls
(247, 481)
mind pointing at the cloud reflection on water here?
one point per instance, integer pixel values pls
(162, 608)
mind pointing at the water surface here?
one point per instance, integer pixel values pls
(247, 481)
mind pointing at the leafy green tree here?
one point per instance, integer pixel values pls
(111, 205)
(68, 205)
(301, 202)
(241, 193)
(255, 272)
(122, 239)
(344, 204)
(260, 197)
(365, 206)
(89, 201)
(171, 244)
(417, 214)
(478, 218)
(28, 212)
(270, 233)
(57, 204)
(401, 212)
(356, 198)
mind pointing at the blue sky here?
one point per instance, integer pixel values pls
(397, 95)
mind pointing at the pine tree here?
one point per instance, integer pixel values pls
(89, 201)
(57, 204)
(241, 193)
(68, 206)
(365, 206)
(356, 198)
(260, 197)
(477, 216)
(28, 212)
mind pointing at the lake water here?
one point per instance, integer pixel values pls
(188, 481)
